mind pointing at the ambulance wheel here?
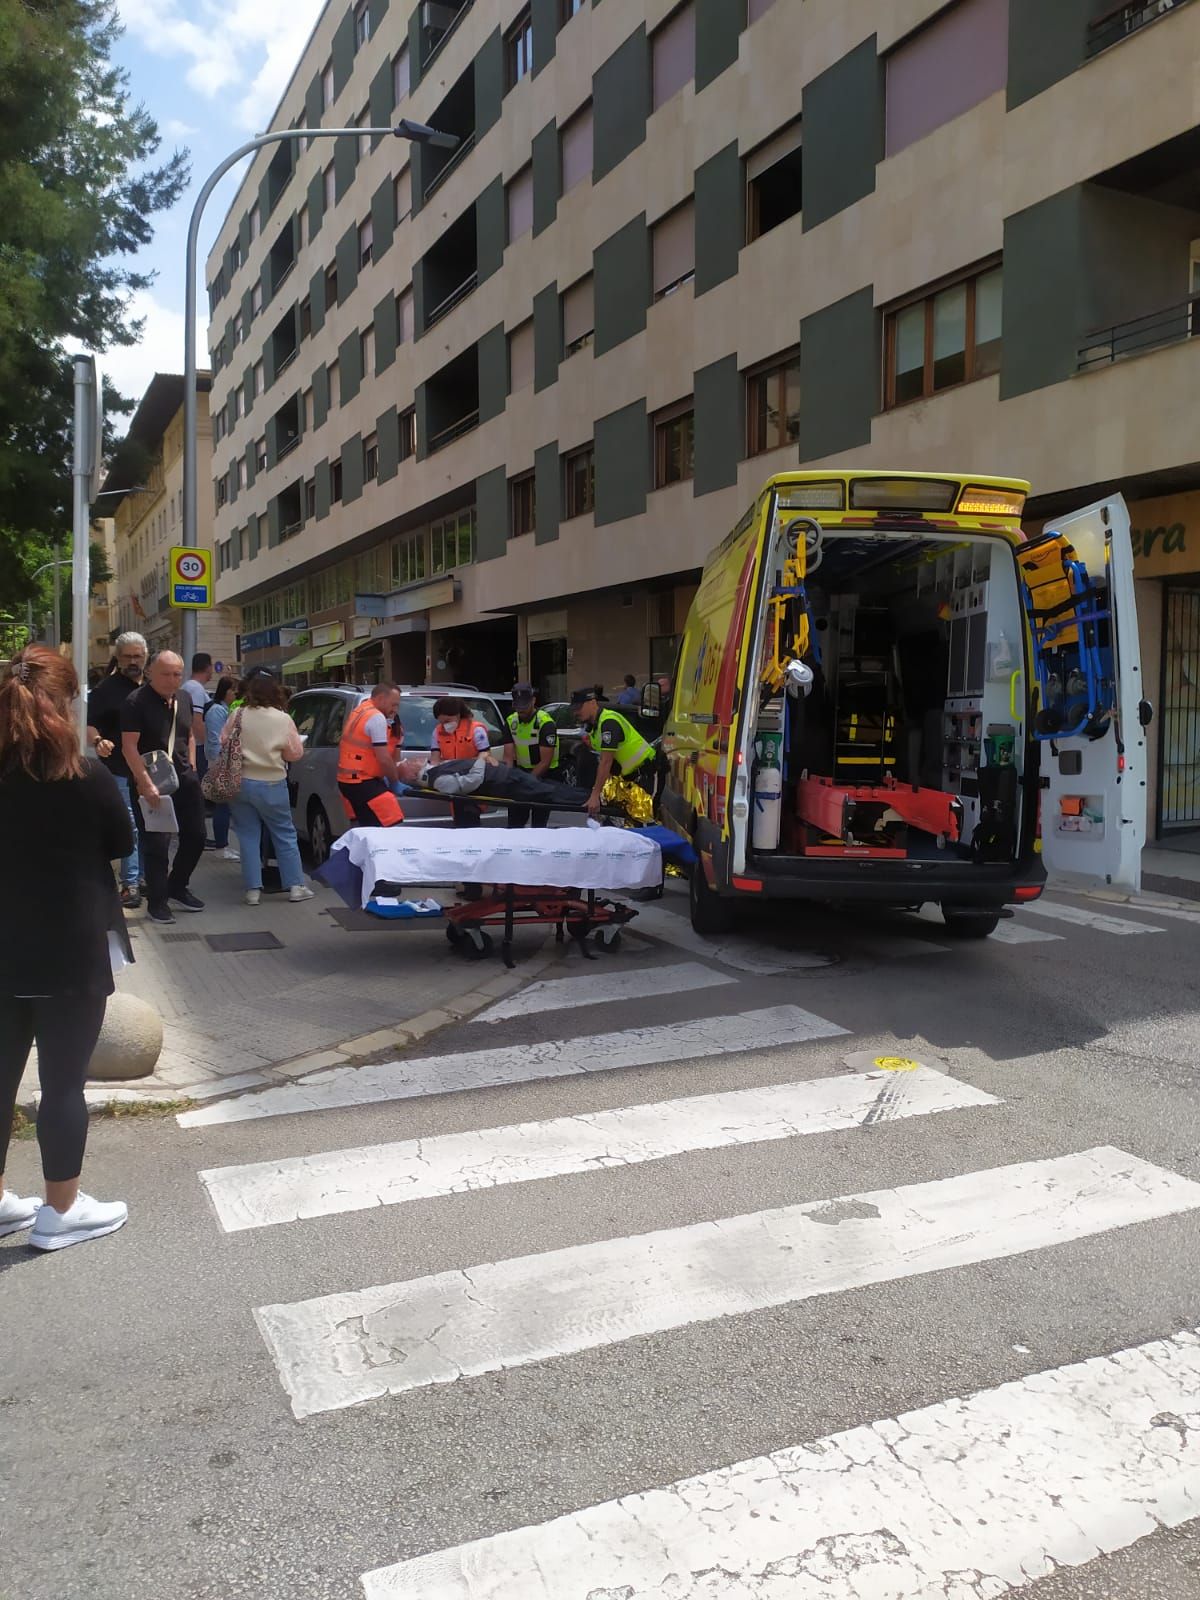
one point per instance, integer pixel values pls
(965, 925)
(710, 914)
(320, 834)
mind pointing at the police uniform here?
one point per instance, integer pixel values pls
(613, 734)
(366, 793)
(531, 737)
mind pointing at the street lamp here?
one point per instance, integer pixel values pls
(404, 129)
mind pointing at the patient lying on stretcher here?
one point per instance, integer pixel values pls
(463, 777)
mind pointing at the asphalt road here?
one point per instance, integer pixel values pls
(150, 1441)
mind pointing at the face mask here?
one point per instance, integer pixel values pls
(451, 725)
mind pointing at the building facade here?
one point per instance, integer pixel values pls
(481, 414)
(148, 521)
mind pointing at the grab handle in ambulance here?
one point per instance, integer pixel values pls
(1016, 712)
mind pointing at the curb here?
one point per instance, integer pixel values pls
(381, 1045)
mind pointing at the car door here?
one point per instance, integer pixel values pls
(1084, 634)
(305, 710)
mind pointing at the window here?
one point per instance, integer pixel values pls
(673, 55)
(260, 379)
(404, 194)
(400, 75)
(520, 357)
(370, 458)
(519, 198)
(452, 541)
(335, 385)
(236, 398)
(404, 315)
(256, 299)
(673, 444)
(568, 9)
(408, 433)
(306, 317)
(944, 69)
(303, 226)
(946, 338)
(306, 411)
(362, 23)
(222, 491)
(218, 426)
(773, 405)
(327, 87)
(575, 149)
(673, 243)
(578, 316)
(329, 187)
(240, 470)
(363, 120)
(522, 495)
(331, 287)
(518, 49)
(366, 350)
(239, 329)
(579, 479)
(310, 499)
(773, 182)
(335, 481)
(223, 557)
(366, 243)
(260, 454)
(408, 559)
(255, 222)
(235, 255)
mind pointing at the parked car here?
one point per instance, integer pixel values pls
(570, 736)
(482, 706)
(320, 714)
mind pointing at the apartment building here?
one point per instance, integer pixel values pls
(482, 413)
(145, 497)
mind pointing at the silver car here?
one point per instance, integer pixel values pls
(320, 715)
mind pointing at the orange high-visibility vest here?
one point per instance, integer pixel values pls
(459, 745)
(357, 760)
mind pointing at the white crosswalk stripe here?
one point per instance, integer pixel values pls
(1080, 917)
(268, 1192)
(552, 995)
(342, 1349)
(971, 1497)
(523, 1063)
(1018, 933)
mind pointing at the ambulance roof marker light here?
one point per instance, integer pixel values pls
(978, 501)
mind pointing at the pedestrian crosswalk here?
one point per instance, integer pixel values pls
(1000, 1485)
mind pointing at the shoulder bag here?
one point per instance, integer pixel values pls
(160, 764)
(223, 780)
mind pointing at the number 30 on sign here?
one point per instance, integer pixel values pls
(191, 578)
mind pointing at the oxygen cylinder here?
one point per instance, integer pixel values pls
(767, 792)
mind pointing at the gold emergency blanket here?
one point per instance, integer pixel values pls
(636, 803)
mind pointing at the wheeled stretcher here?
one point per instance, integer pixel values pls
(857, 817)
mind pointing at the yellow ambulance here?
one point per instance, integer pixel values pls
(887, 693)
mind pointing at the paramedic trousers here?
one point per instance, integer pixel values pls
(66, 1028)
(371, 803)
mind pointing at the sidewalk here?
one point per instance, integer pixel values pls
(1173, 872)
(323, 995)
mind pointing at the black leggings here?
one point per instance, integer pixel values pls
(66, 1028)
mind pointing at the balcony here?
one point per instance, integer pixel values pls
(285, 342)
(282, 259)
(1149, 332)
(291, 510)
(279, 173)
(455, 114)
(452, 401)
(450, 270)
(283, 431)
(1123, 20)
(438, 22)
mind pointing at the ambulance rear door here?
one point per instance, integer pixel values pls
(1093, 768)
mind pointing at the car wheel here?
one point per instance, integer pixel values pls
(320, 834)
(710, 914)
(963, 925)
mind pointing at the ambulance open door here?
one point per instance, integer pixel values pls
(1090, 716)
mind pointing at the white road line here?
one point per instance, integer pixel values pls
(342, 1349)
(1087, 919)
(1018, 933)
(266, 1192)
(589, 989)
(744, 955)
(975, 1496)
(773, 1026)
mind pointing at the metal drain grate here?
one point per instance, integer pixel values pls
(225, 943)
(180, 938)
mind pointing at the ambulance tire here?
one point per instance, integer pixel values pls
(965, 925)
(710, 914)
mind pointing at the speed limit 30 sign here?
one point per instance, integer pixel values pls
(191, 578)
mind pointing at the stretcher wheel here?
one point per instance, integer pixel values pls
(453, 933)
(608, 939)
(476, 944)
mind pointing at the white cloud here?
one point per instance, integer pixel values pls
(176, 128)
(131, 367)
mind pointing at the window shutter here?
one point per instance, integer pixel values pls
(520, 357)
(779, 145)
(520, 204)
(673, 55)
(674, 247)
(577, 149)
(579, 313)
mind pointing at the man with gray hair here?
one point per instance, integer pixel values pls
(104, 736)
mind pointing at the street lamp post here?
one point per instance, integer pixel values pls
(404, 129)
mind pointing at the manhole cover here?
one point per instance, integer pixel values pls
(225, 943)
(179, 938)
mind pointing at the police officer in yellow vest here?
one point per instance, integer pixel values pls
(617, 743)
(533, 746)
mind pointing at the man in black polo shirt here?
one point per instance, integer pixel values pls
(104, 735)
(158, 716)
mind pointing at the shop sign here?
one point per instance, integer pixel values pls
(329, 633)
(1166, 536)
(297, 634)
(363, 627)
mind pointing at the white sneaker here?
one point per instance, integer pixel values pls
(87, 1219)
(299, 892)
(253, 896)
(16, 1213)
(230, 855)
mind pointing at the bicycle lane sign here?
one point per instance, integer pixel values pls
(191, 578)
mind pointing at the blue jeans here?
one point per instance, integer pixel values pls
(260, 804)
(131, 867)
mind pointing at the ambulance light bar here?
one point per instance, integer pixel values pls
(902, 494)
(976, 501)
(813, 497)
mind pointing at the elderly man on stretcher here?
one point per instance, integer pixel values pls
(509, 785)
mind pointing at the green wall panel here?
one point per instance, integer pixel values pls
(719, 24)
(383, 218)
(1046, 42)
(547, 337)
(622, 464)
(320, 388)
(620, 103)
(1044, 275)
(622, 284)
(490, 230)
(321, 480)
(545, 177)
(720, 428)
(491, 514)
(345, 165)
(720, 218)
(350, 373)
(387, 332)
(316, 299)
(387, 434)
(545, 33)
(347, 263)
(843, 133)
(489, 84)
(316, 204)
(547, 479)
(493, 373)
(352, 469)
(839, 376)
(342, 53)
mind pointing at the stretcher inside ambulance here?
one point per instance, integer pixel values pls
(888, 693)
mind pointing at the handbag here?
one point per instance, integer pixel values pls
(160, 764)
(223, 780)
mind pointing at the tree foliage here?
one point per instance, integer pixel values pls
(79, 186)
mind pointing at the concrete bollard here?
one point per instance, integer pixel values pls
(130, 1041)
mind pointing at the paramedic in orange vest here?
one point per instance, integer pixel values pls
(367, 761)
(460, 737)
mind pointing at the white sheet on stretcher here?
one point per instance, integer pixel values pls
(580, 858)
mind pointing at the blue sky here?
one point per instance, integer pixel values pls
(211, 73)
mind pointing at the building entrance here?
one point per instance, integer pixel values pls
(1179, 786)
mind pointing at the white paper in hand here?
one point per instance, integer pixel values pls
(160, 818)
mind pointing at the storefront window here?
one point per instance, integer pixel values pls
(452, 541)
(408, 560)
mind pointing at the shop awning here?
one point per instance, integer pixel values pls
(340, 655)
(305, 661)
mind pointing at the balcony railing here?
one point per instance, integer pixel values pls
(1139, 334)
(454, 22)
(454, 431)
(287, 360)
(456, 160)
(288, 446)
(455, 297)
(1123, 20)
